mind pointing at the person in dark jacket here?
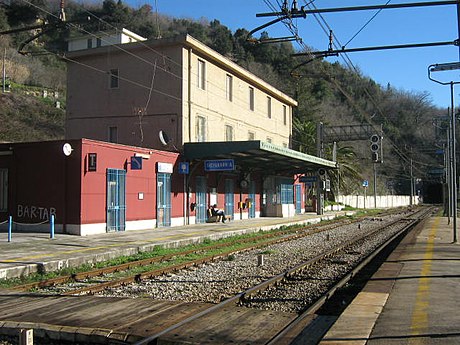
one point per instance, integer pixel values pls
(215, 211)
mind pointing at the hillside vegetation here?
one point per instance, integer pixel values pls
(331, 93)
(29, 117)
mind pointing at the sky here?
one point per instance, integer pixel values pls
(403, 69)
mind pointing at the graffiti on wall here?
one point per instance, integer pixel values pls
(35, 212)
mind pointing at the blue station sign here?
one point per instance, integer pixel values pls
(184, 167)
(307, 179)
(136, 163)
(219, 165)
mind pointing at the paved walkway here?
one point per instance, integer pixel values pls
(413, 298)
(32, 252)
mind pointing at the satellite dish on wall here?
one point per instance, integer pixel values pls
(164, 139)
(67, 149)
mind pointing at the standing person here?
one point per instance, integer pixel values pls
(218, 212)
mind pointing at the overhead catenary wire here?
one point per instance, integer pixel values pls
(350, 64)
(366, 24)
(289, 24)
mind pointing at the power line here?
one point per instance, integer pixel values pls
(366, 24)
(240, 102)
(348, 62)
(152, 64)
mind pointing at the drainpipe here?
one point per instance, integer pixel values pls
(189, 105)
(186, 201)
(189, 95)
(4, 72)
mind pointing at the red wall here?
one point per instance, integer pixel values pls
(42, 180)
(93, 194)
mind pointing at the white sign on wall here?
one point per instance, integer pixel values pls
(166, 168)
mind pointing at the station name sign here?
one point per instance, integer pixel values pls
(307, 179)
(219, 165)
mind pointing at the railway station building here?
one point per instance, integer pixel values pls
(202, 129)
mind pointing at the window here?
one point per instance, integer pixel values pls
(200, 129)
(201, 75)
(229, 88)
(89, 43)
(251, 98)
(284, 115)
(269, 107)
(228, 133)
(98, 42)
(3, 190)
(114, 78)
(163, 199)
(251, 136)
(287, 193)
(113, 134)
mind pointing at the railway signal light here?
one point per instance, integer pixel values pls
(375, 157)
(322, 173)
(375, 141)
(376, 147)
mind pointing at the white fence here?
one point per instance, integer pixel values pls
(383, 201)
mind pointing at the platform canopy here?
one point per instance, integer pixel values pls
(256, 155)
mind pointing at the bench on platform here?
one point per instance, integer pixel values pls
(216, 218)
(211, 218)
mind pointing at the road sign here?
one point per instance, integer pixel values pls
(219, 165)
(184, 168)
(136, 163)
(365, 183)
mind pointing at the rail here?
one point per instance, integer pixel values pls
(239, 298)
(276, 237)
(414, 222)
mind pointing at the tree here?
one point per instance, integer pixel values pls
(348, 175)
(23, 14)
(304, 136)
(221, 38)
(241, 50)
(3, 20)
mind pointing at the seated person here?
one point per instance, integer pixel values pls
(215, 211)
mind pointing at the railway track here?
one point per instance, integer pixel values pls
(244, 292)
(98, 280)
(284, 286)
(89, 279)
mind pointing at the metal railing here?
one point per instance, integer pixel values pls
(10, 223)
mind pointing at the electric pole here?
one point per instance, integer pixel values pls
(4, 72)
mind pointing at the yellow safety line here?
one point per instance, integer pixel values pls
(34, 257)
(419, 323)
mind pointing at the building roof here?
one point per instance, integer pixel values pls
(257, 155)
(111, 33)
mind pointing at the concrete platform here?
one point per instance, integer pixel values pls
(33, 252)
(412, 299)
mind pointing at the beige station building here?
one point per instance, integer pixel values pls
(128, 93)
(231, 129)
